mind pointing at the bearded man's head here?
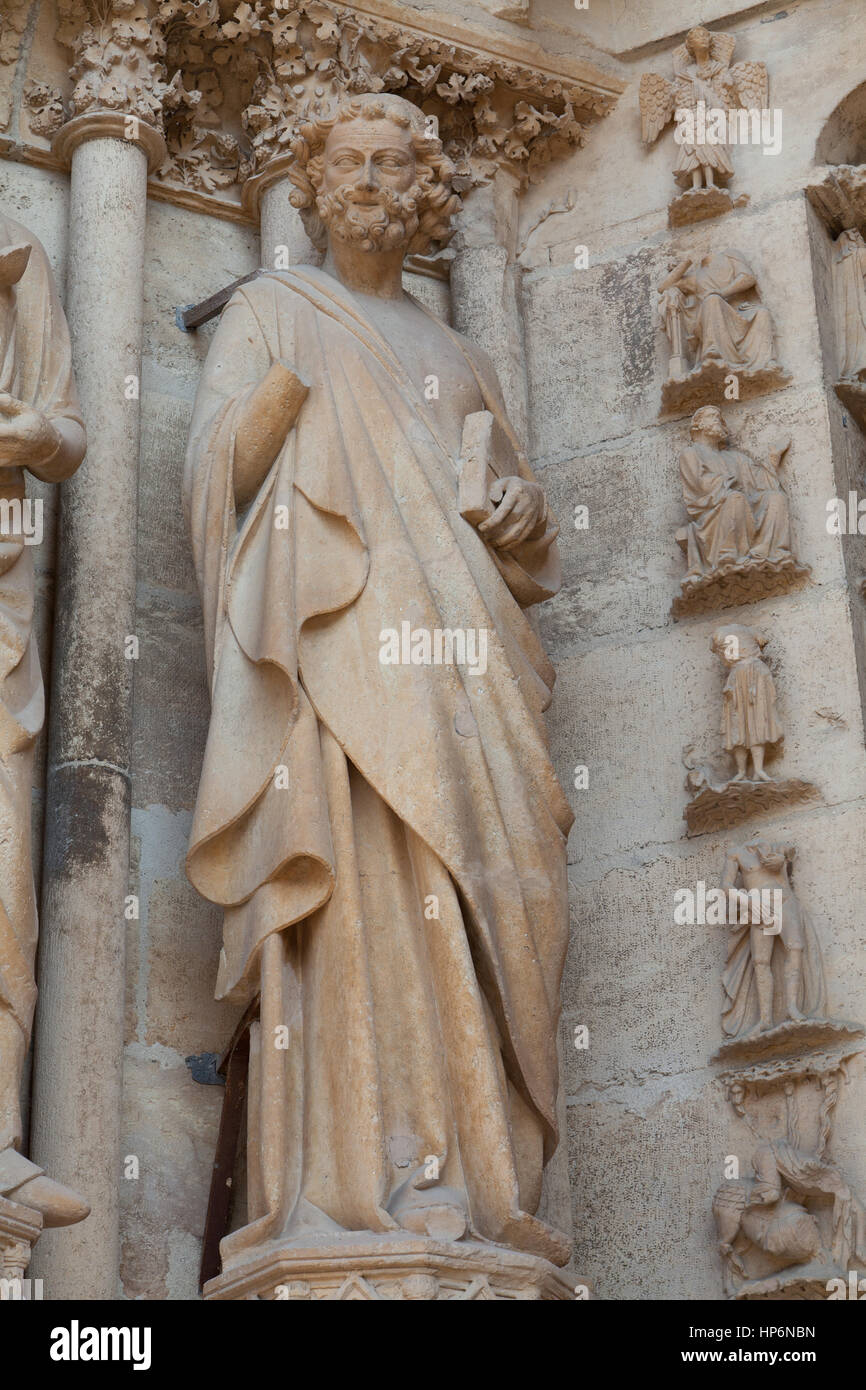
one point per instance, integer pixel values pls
(373, 175)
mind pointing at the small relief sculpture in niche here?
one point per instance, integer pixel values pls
(721, 338)
(738, 539)
(393, 881)
(773, 980)
(773, 972)
(749, 725)
(704, 90)
(789, 1229)
(41, 432)
(849, 305)
(750, 732)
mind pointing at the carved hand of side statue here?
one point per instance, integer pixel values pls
(263, 425)
(520, 515)
(52, 449)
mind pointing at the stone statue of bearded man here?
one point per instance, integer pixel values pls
(387, 840)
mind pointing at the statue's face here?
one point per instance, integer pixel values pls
(698, 44)
(712, 427)
(369, 193)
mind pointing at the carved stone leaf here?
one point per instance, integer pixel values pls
(46, 105)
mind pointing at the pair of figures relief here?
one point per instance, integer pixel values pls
(793, 1230)
(706, 87)
(720, 335)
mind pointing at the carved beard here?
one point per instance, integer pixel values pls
(390, 222)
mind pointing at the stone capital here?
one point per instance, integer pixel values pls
(117, 49)
(98, 124)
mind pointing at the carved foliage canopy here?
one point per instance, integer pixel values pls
(228, 83)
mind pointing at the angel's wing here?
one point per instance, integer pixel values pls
(656, 96)
(722, 47)
(753, 85)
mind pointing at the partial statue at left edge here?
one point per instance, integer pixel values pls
(41, 431)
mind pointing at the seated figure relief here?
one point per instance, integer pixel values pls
(738, 539)
(790, 1227)
(709, 326)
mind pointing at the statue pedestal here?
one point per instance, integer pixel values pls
(748, 582)
(697, 204)
(20, 1228)
(394, 1266)
(705, 385)
(717, 808)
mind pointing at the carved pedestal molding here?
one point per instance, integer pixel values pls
(412, 1269)
(20, 1228)
(86, 866)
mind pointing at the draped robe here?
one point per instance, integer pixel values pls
(740, 338)
(721, 529)
(709, 83)
(404, 788)
(849, 302)
(749, 706)
(35, 367)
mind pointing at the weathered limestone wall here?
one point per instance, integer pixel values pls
(649, 1128)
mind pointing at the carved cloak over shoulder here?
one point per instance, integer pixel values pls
(355, 530)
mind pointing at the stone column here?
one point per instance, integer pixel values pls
(485, 286)
(266, 196)
(79, 1030)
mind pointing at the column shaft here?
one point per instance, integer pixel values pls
(281, 225)
(485, 287)
(76, 1133)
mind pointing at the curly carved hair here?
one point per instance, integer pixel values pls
(437, 203)
(709, 417)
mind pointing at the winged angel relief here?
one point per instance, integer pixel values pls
(714, 105)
